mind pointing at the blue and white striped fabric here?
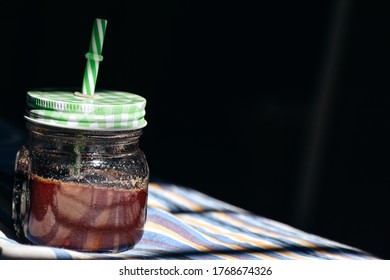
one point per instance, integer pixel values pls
(186, 224)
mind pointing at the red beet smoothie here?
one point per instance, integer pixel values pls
(84, 217)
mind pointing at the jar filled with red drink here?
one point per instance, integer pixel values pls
(81, 181)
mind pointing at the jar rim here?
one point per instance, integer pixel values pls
(91, 129)
(43, 128)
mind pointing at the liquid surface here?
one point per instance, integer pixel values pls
(83, 217)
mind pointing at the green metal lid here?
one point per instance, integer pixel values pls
(105, 110)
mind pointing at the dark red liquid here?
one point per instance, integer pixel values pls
(86, 218)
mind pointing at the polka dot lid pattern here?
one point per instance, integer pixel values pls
(105, 110)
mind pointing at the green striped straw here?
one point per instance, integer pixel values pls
(94, 56)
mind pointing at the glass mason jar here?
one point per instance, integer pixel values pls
(81, 188)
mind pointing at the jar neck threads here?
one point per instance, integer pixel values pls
(86, 141)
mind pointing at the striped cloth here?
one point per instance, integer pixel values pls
(183, 223)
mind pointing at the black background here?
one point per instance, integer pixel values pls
(280, 107)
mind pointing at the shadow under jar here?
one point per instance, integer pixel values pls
(81, 189)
